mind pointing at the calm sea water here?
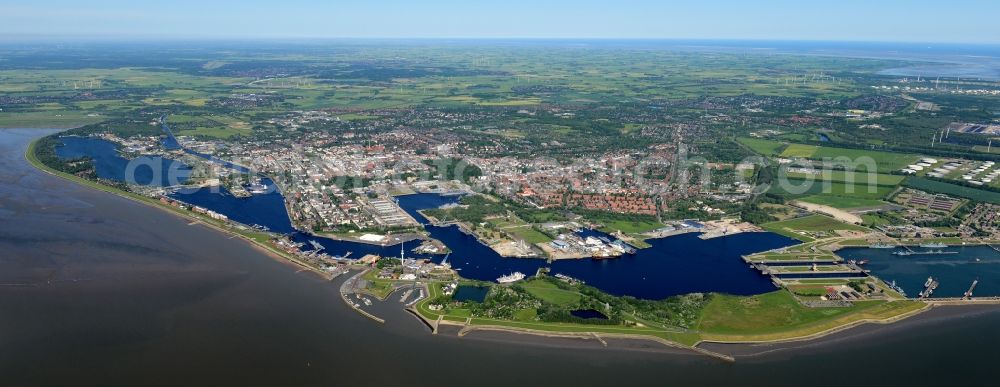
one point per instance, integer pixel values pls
(954, 272)
(676, 265)
(109, 164)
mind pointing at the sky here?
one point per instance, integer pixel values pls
(957, 21)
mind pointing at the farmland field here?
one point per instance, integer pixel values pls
(842, 202)
(764, 147)
(796, 188)
(855, 177)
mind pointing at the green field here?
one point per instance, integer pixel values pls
(551, 293)
(528, 234)
(777, 315)
(859, 178)
(859, 158)
(811, 223)
(799, 150)
(800, 188)
(47, 119)
(761, 146)
(952, 189)
(842, 202)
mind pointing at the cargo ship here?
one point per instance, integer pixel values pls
(881, 245)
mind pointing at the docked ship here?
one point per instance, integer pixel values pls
(512, 277)
(929, 287)
(881, 245)
(932, 252)
(897, 288)
(257, 188)
(936, 245)
(618, 244)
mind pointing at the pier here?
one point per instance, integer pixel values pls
(968, 293)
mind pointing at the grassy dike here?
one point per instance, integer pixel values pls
(765, 318)
(257, 239)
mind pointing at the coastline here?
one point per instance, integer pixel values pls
(284, 258)
(263, 247)
(933, 315)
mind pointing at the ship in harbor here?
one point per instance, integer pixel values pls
(935, 245)
(257, 187)
(929, 287)
(620, 245)
(897, 288)
(512, 277)
(932, 252)
(881, 245)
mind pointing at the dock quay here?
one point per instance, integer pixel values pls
(350, 286)
(790, 262)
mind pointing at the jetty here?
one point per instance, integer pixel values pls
(968, 293)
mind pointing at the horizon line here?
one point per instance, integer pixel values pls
(225, 38)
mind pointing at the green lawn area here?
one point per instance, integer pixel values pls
(764, 147)
(884, 161)
(799, 150)
(525, 315)
(551, 293)
(859, 178)
(777, 316)
(687, 338)
(217, 126)
(812, 223)
(460, 312)
(529, 234)
(773, 312)
(47, 119)
(798, 188)
(841, 201)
